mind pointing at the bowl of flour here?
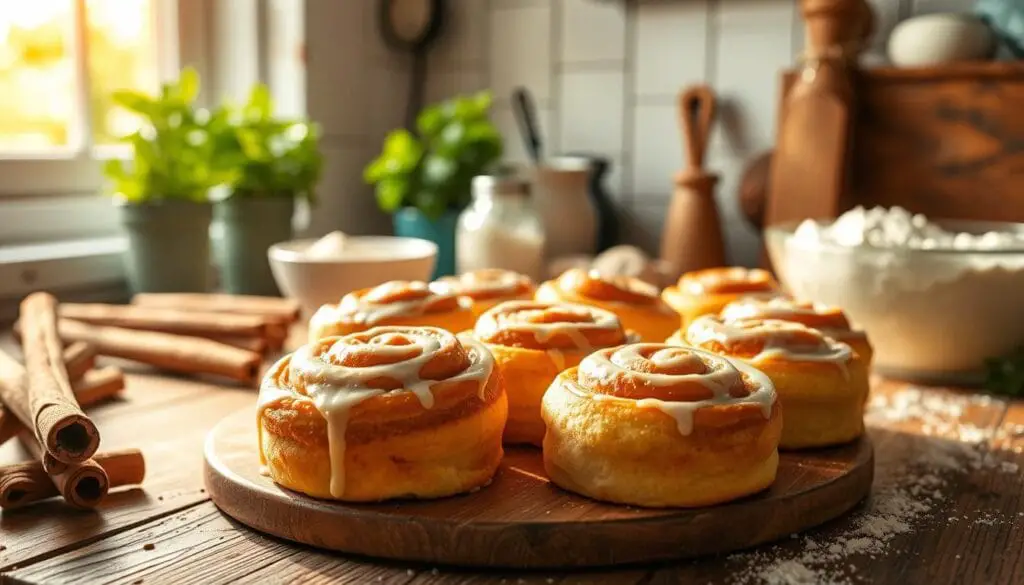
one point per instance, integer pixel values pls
(937, 298)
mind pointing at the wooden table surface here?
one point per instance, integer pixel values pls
(947, 507)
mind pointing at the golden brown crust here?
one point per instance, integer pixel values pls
(634, 301)
(822, 383)
(532, 343)
(829, 320)
(488, 285)
(398, 303)
(658, 425)
(706, 292)
(421, 414)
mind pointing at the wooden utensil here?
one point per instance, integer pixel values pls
(692, 236)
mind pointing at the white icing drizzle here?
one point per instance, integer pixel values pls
(775, 307)
(777, 335)
(358, 309)
(515, 315)
(491, 282)
(722, 375)
(697, 283)
(557, 358)
(335, 389)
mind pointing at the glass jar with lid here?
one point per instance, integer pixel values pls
(500, 228)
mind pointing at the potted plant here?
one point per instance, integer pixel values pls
(424, 179)
(277, 161)
(162, 189)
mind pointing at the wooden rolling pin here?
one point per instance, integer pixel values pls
(692, 236)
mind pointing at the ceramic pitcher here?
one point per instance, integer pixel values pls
(561, 197)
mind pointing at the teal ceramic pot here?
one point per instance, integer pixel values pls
(249, 226)
(411, 223)
(168, 245)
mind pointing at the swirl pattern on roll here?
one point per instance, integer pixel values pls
(677, 380)
(339, 373)
(815, 315)
(396, 298)
(491, 283)
(731, 280)
(536, 325)
(594, 285)
(756, 340)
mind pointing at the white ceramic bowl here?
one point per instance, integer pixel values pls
(931, 315)
(365, 262)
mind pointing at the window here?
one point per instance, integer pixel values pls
(60, 60)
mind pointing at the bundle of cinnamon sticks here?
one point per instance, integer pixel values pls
(224, 335)
(41, 403)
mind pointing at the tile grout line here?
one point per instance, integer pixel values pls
(555, 78)
(629, 107)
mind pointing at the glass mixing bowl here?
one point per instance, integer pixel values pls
(932, 315)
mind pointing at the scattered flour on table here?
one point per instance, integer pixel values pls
(899, 502)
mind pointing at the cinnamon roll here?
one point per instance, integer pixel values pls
(393, 412)
(657, 425)
(489, 287)
(634, 301)
(822, 383)
(708, 291)
(829, 320)
(399, 303)
(532, 343)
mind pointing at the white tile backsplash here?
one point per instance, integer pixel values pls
(520, 51)
(606, 73)
(515, 149)
(593, 31)
(657, 149)
(671, 46)
(590, 104)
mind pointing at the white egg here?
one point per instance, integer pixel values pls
(933, 39)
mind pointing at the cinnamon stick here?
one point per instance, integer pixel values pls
(65, 433)
(177, 353)
(98, 385)
(283, 311)
(256, 344)
(79, 358)
(83, 485)
(200, 324)
(24, 483)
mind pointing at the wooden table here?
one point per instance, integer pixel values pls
(948, 507)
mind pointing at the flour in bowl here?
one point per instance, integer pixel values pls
(935, 302)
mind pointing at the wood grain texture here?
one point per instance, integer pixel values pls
(192, 541)
(522, 520)
(946, 142)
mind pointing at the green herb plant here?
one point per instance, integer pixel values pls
(434, 169)
(273, 156)
(173, 155)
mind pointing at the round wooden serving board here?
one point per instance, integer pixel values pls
(523, 521)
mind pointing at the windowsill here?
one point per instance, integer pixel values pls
(82, 269)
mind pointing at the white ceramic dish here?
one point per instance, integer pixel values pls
(933, 316)
(366, 261)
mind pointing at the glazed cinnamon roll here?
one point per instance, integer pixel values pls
(822, 383)
(708, 291)
(393, 412)
(829, 320)
(634, 301)
(532, 343)
(487, 288)
(399, 303)
(657, 425)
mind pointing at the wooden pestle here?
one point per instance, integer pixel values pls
(692, 236)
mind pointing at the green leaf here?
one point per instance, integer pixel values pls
(134, 101)
(259, 106)
(188, 85)
(438, 170)
(391, 194)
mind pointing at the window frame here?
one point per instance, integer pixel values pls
(37, 185)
